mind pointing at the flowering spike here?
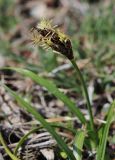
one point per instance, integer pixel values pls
(45, 23)
(46, 35)
(55, 26)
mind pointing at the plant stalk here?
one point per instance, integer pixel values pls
(11, 155)
(85, 92)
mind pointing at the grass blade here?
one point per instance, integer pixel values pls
(45, 124)
(78, 144)
(22, 140)
(103, 141)
(51, 87)
(11, 155)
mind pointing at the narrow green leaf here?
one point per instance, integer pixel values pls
(103, 140)
(51, 87)
(45, 124)
(22, 140)
(11, 155)
(78, 144)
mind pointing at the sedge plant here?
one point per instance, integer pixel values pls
(47, 35)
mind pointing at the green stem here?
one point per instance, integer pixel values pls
(86, 93)
(12, 156)
(22, 140)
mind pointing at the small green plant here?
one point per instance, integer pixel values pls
(47, 36)
(93, 139)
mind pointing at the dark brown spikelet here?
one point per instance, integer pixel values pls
(46, 35)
